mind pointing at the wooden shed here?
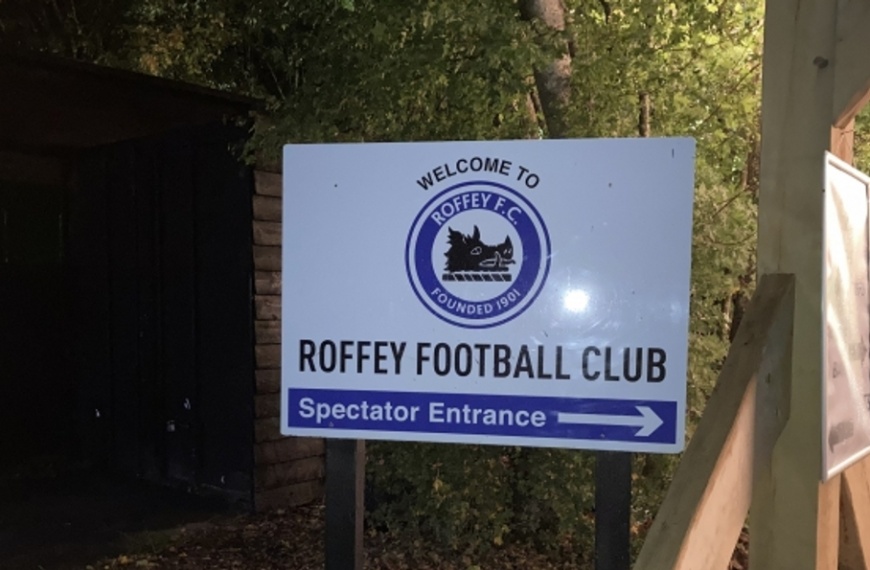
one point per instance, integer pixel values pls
(139, 297)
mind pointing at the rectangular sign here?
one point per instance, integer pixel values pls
(846, 390)
(528, 293)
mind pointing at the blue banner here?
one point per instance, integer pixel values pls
(646, 421)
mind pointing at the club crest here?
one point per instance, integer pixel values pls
(477, 254)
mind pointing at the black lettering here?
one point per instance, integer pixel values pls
(307, 349)
(586, 352)
(380, 356)
(501, 365)
(608, 356)
(442, 359)
(490, 164)
(439, 174)
(559, 374)
(346, 355)
(626, 364)
(398, 352)
(532, 180)
(361, 355)
(655, 366)
(421, 358)
(481, 356)
(522, 173)
(462, 360)
(426, 181)
(449, 172)
(327, 364)
(524, 363)
(540, 372)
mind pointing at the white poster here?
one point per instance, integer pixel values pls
(846, 416)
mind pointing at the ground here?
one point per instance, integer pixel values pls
(83, 521)
(293, 540)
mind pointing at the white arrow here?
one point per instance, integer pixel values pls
(648, 420)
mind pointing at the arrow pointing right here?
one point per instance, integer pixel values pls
(648, 421)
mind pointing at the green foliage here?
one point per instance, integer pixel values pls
(367, 70)
(473, 498)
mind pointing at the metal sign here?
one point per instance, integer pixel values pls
(846, 390)
(528, 293)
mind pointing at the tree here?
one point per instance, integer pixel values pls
(453, 70)
(552, 78)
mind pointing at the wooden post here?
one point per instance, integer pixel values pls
(703, 513)
(815, 77)
(345, 480)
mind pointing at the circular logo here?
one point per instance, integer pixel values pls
(477, 254)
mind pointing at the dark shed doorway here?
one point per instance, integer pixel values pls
(36, 385)
(126, 335)
(160, 266)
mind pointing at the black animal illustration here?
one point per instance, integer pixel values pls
(469, 253)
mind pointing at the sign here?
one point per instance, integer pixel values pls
(530, 293)
(846, 390)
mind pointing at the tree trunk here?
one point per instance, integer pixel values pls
(553, 81)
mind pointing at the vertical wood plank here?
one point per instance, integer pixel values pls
(91, 326)
(178, 258)
(124, 413)
(852, 83)
(225, 322)
(855, 517)
(791, 527)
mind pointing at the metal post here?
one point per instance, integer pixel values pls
(612, 510)
(345, 477)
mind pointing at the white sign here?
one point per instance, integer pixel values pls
(846, 390)
(529, 293)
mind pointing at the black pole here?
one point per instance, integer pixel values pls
(345, 478)
(613, 468)
(612, 510)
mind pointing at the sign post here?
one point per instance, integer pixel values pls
(345, 481)
(523, 293)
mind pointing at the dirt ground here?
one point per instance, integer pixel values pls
(83, 521)
(293, 540)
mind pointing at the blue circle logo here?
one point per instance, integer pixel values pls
(478, 254)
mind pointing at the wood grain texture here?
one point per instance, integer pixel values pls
(855, 517)
(267, 307)
(267, 405)
(267, 183)
(267, 332)
(289, 496)
(267, 208)
(703, 513)
(267, 282)
(288, 449)
(794, 518)
(283, 474)
(267, 258)
(267, 356)
(267, 233)
(268, 381)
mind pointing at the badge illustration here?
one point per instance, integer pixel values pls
(478, 254)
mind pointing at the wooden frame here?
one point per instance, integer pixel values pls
(759, 438)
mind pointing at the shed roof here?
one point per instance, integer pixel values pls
(50, 104)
